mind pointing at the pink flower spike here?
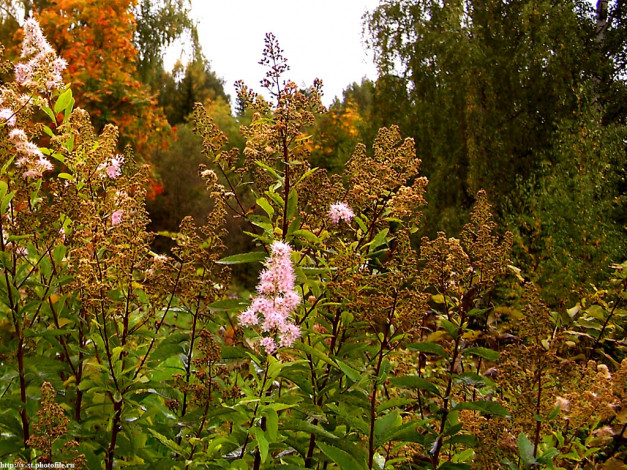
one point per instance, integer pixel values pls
(289, 334)
(18, 135)
(280, 249)
(22, 73)
(340, 211)
(268, 344)
(116, 217)
(34, 40)
(248, 318)
(273, 319)
(8, 116)
(115, 169)
(31, 174)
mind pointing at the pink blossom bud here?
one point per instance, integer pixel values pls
(340, 211)
(268, 344)
(116, 217)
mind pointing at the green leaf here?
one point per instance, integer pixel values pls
(378, 240)
(252, 257)
(429, 348)
(270, 170)
(525, 449)
(48, 111)
(170, 444)
(307, 235)
(454, 466)
(474, 379)
(315, 353)
(278, 200)
(394, 403)
(351, 373)
(305, 426)
(292, 204)
(339, 456)
(58, 254)
(306, 175)
(69, 143)
(265, 205)
(228, 305)
(450, 328)
(263, 222)
(5, 202)
(361, 223)
(385, 426)
(65, 176)
(415, 382)
(272, 424)
(547, 457)
(488, 407)
(63, 101)
(262, 443)
(485, 353)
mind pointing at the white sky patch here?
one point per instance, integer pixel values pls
(320, 39)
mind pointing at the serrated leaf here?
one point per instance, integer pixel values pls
(228, 305)
(414, 382)
(252, 257)
(429, 348)
(339, 456)
(262, 443)
(385, 426)
(266, 206)
(63, 101)
(488, 407)
(525, 449)
(485, 353)
(292, 204)
(351, 373)
(305, 426)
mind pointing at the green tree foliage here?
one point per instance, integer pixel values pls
(485, 84)
(187, 85)
(493, 93)
(160, 23)
(570, 221)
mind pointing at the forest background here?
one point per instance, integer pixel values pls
(520, 356)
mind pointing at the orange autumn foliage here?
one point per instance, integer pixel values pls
(96, 39)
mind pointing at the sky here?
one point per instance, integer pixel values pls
(320, 39)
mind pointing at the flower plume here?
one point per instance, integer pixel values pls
(275, 301)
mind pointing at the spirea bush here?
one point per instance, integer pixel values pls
(362, 347)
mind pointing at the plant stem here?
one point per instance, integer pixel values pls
(252, 420)
(373, 396)
(435, 459)
(536, 440)
(117, 410)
